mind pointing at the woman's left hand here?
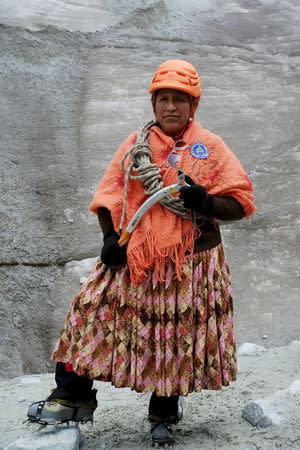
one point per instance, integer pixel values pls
(112, 255)
(197, 198)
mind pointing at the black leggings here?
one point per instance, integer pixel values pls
(163, 408)
(70, 386)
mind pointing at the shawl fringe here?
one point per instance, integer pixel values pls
(147, 256)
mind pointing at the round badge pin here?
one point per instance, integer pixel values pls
(199, 150)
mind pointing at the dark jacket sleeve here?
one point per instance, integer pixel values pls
(227, 208)
(224, 208)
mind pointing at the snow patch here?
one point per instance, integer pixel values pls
(68, 214)
(192, 4)
(295, 344)
(30, 379)
(268, 2)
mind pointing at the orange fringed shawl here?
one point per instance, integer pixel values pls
(162, 235)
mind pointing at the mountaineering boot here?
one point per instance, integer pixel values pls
(164, 414)
(73, 399)
(161, 434)
(54, 411)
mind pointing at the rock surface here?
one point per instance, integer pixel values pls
(74, 79)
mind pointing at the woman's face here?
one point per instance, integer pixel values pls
(172, 110)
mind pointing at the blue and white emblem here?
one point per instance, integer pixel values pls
(199, 150)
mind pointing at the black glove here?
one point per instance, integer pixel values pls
(112, 255)
(195, 197)
(188, 180)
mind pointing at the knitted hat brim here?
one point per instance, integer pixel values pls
(173, 84)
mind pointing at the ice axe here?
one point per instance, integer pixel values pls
(172, 160)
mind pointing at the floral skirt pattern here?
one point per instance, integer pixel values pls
(171, 338)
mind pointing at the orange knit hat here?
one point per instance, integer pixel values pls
(177, 74)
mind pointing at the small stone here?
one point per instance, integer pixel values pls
(83, 280)
(249, 349)
(265, 336)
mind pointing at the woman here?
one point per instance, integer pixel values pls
(156, 315)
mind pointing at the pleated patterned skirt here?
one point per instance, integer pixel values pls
(171, 338)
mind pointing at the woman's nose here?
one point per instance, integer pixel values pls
(171, 105)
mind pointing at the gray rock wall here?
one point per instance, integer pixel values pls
(69, 99)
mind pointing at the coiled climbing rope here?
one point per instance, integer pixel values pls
(140, 156)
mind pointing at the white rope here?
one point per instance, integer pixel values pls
(140, 160)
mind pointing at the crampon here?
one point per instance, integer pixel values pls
(162, 434)
(52, 412)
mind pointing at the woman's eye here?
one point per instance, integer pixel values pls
(174, 100)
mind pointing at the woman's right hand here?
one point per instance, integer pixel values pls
(112, 255)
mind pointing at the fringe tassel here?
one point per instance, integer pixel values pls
(146, 256)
